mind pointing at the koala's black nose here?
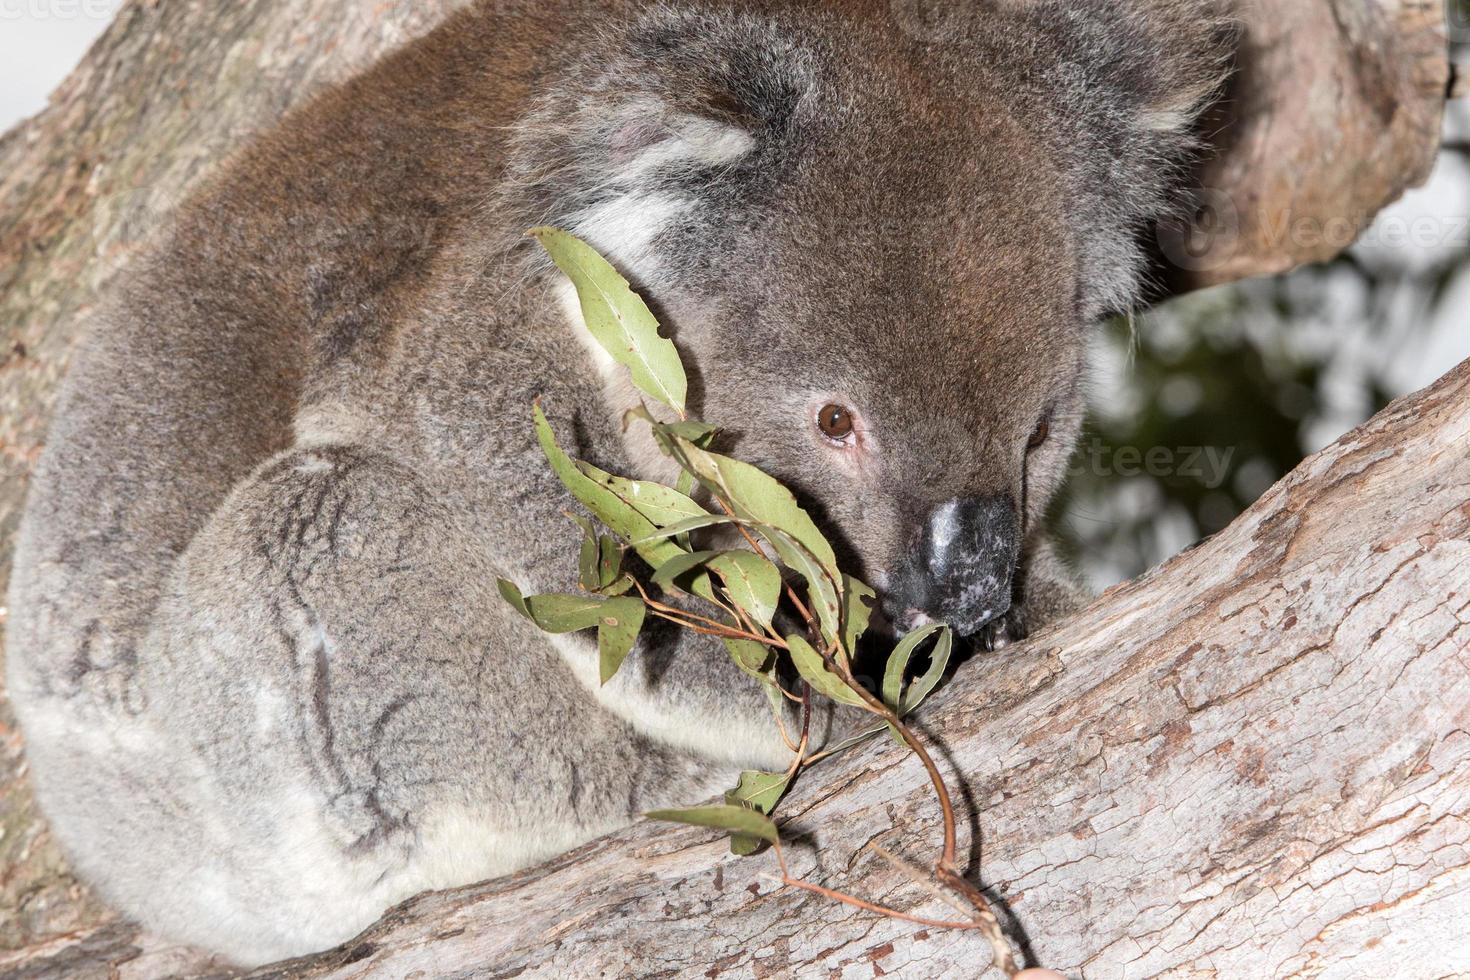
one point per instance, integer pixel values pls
(962, 569)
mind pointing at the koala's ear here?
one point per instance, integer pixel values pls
(1128, 83)
(674, 106)
(652, 139)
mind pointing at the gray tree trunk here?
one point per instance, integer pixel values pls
(1253, 762)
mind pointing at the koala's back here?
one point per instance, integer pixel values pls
(265, 292)
(267, 684)
(266, 681)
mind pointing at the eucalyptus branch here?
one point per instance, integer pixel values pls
(945, 868)
(748, 587)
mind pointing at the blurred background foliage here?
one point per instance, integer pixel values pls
(1258, 375)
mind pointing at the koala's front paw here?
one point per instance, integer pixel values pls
(1008, 629)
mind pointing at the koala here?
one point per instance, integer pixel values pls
(267, 684)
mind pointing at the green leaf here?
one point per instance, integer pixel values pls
(681, 565)
(567, 613)
(735, 819)
(511, 594)
(621, 586)
(752, 657)
(857, 739)
(660, 504)
(898, 665)
(923, 686)
(810, 666)
(618, 319)
(772, 510)
(744, 845)
(622, 619)
(603, 503)
(699, 433)
(821, 594)
(589, 564)
(609, 562)
(684, 527)
(762, 790)
(753, 583)
(857, 599)
(755, 496)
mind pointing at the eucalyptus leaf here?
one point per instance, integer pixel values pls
(699, 433)
(762, 790)
(752, 582)
(735, 819)
(660, 504)
(744, 845)
(621, 586)
(622, 619)
(684, 527)
(570, 613)
(761, 498)
(681, 565)
(589, 564)
(813, 670)
(618, 319)
(857, 603)
(609, 562)
(821, 594)
(856, 740)
(511, 594)
(610, 509)
(752, 657)
(924, 685)
(898, 664)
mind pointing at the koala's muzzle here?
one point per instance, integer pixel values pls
(962, 569)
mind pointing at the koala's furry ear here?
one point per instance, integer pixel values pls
(1128, 84)
(673, 109)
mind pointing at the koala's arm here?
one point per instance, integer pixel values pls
(365, 716)
(1050, 588)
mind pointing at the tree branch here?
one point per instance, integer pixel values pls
(1253, 761)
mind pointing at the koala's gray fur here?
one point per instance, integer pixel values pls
(266, 681)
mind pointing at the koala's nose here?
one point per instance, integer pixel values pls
(962, 570)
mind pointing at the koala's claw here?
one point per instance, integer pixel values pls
(1001, 633)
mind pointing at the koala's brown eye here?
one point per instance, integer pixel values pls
(1040, 435)
(835, 421)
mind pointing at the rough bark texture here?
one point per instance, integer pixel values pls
(1253, 762)
(1335, 109)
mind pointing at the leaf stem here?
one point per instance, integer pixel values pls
(853, 900)
(701, 624)
(720, 630)
(945, 868)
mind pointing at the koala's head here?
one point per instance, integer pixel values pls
(881, 255)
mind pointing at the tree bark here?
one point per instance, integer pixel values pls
(1335, 108)
(1252, 762)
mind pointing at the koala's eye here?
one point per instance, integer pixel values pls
(1040, 435)
(835, 421)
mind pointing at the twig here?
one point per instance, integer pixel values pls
(701, 624)
(945, 868)
(919, 876)
(856, 902)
